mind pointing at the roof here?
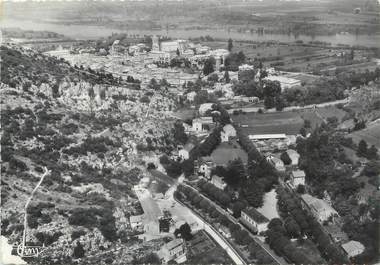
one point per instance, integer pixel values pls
(204, 120)
(229, 128)
(135, 218)
(217, 178)
(292, 152)
(174, 243)
(188, 147)
(353, 248)
(267, 136)
(276, 160)
(318, 204)
(283, 79)
(255, 215)
(298, 174)
(204, 107)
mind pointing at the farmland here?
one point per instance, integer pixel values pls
(281, 122)
(299, 57)
(370, 134)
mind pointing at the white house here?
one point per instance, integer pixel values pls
(136, 221)
(297, 177)
(173, 250)
(184, 153)
(285, 82)
(294, 157)
(202, 124)
(218, 182)
(254, 220)
(204, 166)
(276, 162)
(227, 133)
(190, 96)
(320, 209)
(353, 248)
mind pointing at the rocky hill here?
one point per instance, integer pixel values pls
(92, 139)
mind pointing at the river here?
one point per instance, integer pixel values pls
(96, 31)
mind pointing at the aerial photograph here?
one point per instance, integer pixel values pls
(234, 132)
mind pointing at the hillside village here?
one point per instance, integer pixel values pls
(176, 152)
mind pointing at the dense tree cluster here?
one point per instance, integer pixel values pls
(234, 60)
(184, 231)
(172, 168)
(222, 197)
(101, 218)
(364, 151)
(299, 222)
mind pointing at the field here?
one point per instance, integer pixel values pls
(371, 134)
(281, 122)
(297, 57)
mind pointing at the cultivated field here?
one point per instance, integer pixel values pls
(371, 134)
(281, 122)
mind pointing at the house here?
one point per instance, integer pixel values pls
(320, 209)
(164, 224)
(203, 124)
(184, 153)
(224, 231)
(276, 162)
(173, 250)
(336, 233)
(218, 182)
(353, 248)
(285, 82)
(254, 220)
(204, 166)
(294, 156)
(297, 177)
(227, 133)
(203, 108)
(190, 96)
(136, 221)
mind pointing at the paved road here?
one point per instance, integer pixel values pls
(321, 105)
(278, 259)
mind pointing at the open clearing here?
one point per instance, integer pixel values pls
(371, 134)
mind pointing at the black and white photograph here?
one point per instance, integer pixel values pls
(200, 132)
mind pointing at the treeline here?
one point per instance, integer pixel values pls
(102, 218)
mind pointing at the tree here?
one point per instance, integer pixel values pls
(153, 84)
(362, 148)
(227, 77)
(272, 90)
(78, 251)
(179, 132)
(285, 158)
(292, 227)
(184, 231)
(230, 45)
(372, 153)
(208, 67)
(91, 92)
(213, 77)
